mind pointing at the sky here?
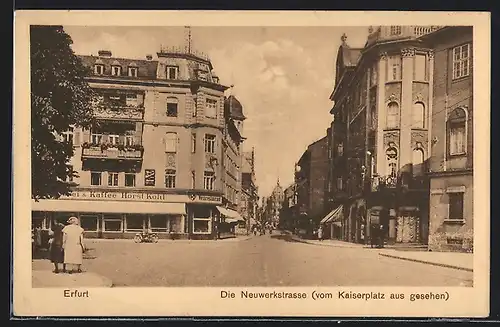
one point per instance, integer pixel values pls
(283, 77)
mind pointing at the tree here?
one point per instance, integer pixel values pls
(60, 98)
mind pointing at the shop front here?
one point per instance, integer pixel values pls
(229, 221)
(114, 214)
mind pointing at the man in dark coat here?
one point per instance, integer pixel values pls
(56, 249)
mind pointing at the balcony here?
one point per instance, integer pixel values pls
(379, 182)
(105, 151)
(386, 33)
(119, 112)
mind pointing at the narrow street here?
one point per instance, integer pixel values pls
(267, 260)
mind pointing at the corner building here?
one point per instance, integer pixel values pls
(381, 134)
(154, 159)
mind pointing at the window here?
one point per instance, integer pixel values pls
(130, 179)
(374, 74)
(116, 70)
(89, 223)
(95, 178)
(461, 61)
(99, 69)
(135, 223)
(193, 142)
(172, 107)
(114, 139)
(340, 183)
(395, 30)
(113, 223)
(340, 149)
(209, 143)
(456, 205)
(96, 138)
(112, 179)
(172, 72)
(392, 115)
(129, 140)
(457, 131)
(209, 180)
(418, 162)
(418, 115)
(202, 221)
(394, 68)
(132, 71)
(149, 177)
(171, 142)
(158, 223)
(420, 67)
(211, 108)
(131, 100)
(170, 178)
(68, 135)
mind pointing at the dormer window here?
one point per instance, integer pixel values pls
(99, 69)
(132, 71)
(116, 70)
(172, 72)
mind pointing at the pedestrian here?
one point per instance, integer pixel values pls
(320, 233)
(73, 245)
(56, 247)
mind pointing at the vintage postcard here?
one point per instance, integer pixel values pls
(191, 163)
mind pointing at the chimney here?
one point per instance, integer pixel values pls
(149, 57)
(104, 53)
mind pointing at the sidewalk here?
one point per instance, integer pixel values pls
(162, 240)
(455, 260)
(46, 278)
(332, 243)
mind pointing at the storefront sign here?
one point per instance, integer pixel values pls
(116, 195)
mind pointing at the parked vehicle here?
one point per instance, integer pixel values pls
(146, 238)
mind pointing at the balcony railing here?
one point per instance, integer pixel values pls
(112, 152)
(121, 112)
(399, 32)
(383, 181)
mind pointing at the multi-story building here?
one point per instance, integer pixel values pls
(249, 190)
(156, 158)
(287, 213)
(380, 131)
(451, 161)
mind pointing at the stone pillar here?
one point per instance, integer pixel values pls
(381, 114)
(405, 148)
(430, 78)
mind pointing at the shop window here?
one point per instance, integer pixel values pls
(89, 223)
(170, 178)
(158, 223)
(209, 143)
(392, 118)
(172, 107)
(129, 179)
(456, 206)
(211, 108)
(202, 225)
(113, 224)
(95, 178)
(171, 142)
(209, 180)
(457, 131)
(135, 223)
(418, 115)
(149, 177)
(112, 179)
(172, 72)
(461, 61)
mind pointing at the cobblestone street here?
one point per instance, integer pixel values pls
(274, 260)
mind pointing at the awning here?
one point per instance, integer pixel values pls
(109, 207)
(334, 215)
(230, 213)
(231, 220)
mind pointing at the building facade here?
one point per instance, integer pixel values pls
(380, 134)
(249, 190)
(156, 158)
(451, 162)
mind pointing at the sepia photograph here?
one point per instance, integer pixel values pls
(248, 156)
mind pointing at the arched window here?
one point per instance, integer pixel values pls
(418, 161)
(418, 115)
(392, 119)
(457, 132)
(171, 142)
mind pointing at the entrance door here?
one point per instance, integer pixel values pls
(407, 229)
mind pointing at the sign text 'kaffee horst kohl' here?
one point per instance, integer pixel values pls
(141, 196)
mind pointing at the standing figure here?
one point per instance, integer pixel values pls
(73, 245)
(56, 247)
(320, 233)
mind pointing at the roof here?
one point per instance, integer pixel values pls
(234, 108)
(146, 68)
(350, 56)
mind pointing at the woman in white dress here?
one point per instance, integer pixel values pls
(73, 245)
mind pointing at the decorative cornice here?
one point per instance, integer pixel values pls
(408, 52)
